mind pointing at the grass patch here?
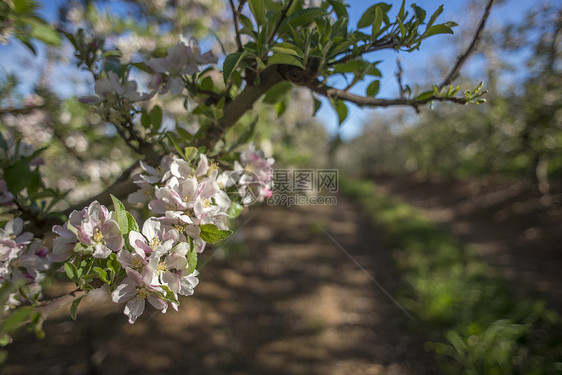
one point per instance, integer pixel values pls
(472, 318)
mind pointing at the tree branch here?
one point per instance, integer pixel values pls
(363, 101)
(462, 59)
(20, 111)
(236, 27)
(122, 187)
(281, 18)
(234, 109)
(51, 306)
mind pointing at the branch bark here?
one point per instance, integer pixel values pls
(235, 108)
(462, 58)
(363, 101)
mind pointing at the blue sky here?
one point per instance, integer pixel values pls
(14, 56)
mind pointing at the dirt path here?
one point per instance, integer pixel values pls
(513, 228)
(294, 304)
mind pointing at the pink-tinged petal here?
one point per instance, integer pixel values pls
(193, 231)
(176, 261)
(181, 249)
(112, 235)
(125, 258)
(157, 206)
(202, 166)
(172, 280)
(188, 284)
(124, 291)
(157, 303)
(160, 65)
(134, 309)
(101, 251)
(92, 99)
(135, 276)
(176, 86)
(64, 233)
(138, 197)
(151, 228)
(24, 238)
(136, 238)
(14, 226)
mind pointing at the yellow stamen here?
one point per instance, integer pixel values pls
(98, 236)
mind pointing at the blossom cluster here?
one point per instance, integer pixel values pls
(185, 196)
(23, 262)
(115, 99)
(253, 175)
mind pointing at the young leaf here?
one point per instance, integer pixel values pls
(70, 270)
(317, 105)
(281, 58)
(192, 260)
(257, 7)
(121, 215)
(438, 29)
(132, 223)
(18, 176)
(102, 274)
(275, 93)
(211, 233)
(156, 117)
(74, 308)
(340, 108)
(369, 16)
(230, 63)
(374, 88)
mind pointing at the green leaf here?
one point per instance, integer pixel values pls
(145, 119)
(281, 58)
(257, 7)
(102, 274)
(74, 308)
(18, 176)
(419, 12)
(211, 233)
(434, 17)
(425, 95)
(401, 13)
(300, 18)
(275, 93)
(3, 143)
(230, 63)
(43, 31)
(438, 29)
(288, 49)
(341, 109)
(234, 210)
(36, 183)
(339, 7)
(156, 117)
(192, 259)
(190, 153)
(121, 215)
(71, 271)
(178, 148)
(369, 16)
(377, 22)
(17, 318)
(374, 88)
(317, 105)
(24, 6)
(132, 223)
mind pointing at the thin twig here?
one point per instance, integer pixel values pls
(283, 15)
(20, 111)
(462, 59)
(364, 101)
(236, 27)
(399, 77)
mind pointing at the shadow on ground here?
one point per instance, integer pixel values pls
(293, 304)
